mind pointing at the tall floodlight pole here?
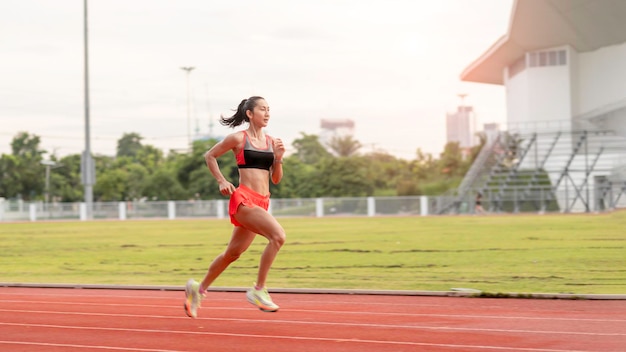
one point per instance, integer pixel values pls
(87, 164)
(188, 69)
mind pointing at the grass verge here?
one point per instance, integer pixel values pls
(573, 254)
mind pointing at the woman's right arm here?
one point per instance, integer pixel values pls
(229, 143)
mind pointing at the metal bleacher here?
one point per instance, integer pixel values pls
(575, 171)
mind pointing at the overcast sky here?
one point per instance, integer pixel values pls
(392, 66)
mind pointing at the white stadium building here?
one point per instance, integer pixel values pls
(563, 66)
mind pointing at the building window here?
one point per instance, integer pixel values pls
(543, 58)
(547, 58)
(562, 58)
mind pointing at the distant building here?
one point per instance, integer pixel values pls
(491, 130)
(461, 127)
(332, 128)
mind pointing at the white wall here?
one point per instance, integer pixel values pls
(616, 121)
(592, 84)
(517, 106)
(602, 78)
(539, 99)
(601, 92)
(549, 96)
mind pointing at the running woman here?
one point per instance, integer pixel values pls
(259, 159)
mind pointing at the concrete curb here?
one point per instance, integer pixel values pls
(454, 292)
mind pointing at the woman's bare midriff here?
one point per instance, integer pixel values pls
(255, 179)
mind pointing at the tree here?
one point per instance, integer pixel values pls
(451, 161)
(342, 177)
(295, 182)
(192, 174)
(111, 185)
(26, 166)
(129, 145)
(139, 171)
(344, 146)
(202, 185)
(384, 171)
(424, 166)
(192, 171)
(149, 157)
(26, 145)
(137, 176)
(163, 185)
(309, 149)
(66, 181)
(10, 185)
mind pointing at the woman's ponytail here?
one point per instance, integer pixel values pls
(240, 114)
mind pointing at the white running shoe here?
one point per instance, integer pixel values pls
(193, 298)
(261, 298)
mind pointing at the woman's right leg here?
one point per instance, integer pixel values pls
(239, 243)
(260, 221)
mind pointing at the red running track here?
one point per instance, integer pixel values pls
(61, 319)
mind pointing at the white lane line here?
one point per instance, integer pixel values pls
(171, 295)
(303, 338)
(83, 346)
(340, 303)
(321, 323)
(342, 312)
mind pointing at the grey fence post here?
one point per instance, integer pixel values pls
(171, 210)
(423, 205)
(220, 209)
(122, 210)
(371, 206)
(83, 211)
(32, 211)
(319, 207)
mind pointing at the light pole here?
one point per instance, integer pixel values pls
(87, 165)
(188, 69)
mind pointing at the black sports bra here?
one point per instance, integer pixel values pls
(251, 157)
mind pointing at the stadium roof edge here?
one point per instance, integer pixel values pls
(586, 25)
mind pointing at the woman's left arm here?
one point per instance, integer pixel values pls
(277, 167)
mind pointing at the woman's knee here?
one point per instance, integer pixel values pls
(279, 238)
(231, 256)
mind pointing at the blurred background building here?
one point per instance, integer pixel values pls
(461, 127)
(563, 65)
(335, 128)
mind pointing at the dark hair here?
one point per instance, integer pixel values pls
(240, 114)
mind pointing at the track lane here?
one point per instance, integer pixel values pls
(155, 320)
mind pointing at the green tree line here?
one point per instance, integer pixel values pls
(141, 171)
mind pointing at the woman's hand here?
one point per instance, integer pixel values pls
(226, 188)
(279, 149)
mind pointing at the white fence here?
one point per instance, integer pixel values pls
(310, 207)
(300, 207)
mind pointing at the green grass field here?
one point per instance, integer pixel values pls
(498, 254)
